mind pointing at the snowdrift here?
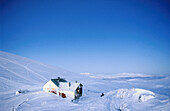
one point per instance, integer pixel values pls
(137, 95)
(134, 99)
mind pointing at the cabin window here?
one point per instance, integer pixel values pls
(53, 89)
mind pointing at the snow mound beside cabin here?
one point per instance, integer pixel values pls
(123, 100)
(135, 94)
(128, 99)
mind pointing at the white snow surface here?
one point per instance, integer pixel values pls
(66, 87)
(122, 92)
(120, 75)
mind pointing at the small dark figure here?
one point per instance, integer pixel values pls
(102, 94)
(139, 99)
(20, 91)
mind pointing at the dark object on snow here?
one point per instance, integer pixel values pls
(139, 99)
(102, 94)
(21, 91)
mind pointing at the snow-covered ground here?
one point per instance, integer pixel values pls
(122, 92)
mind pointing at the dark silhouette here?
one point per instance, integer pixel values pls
(102, 94)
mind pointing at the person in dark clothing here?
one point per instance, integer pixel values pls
(102, 94)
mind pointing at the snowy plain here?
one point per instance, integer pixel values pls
(122, 92)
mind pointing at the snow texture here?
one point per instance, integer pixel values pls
(22, 80)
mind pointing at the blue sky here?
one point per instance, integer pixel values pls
(98, 36)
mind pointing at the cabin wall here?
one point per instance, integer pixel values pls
(51, 87)
(69, 94)
(78, 92)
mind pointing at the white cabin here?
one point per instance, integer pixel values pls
(63, 88)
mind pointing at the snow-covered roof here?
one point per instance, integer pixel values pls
(66, 87)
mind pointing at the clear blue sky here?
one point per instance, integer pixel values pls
(98, 36)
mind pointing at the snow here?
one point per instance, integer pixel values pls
(122, 92)
(139, 95)
(120, 75)
(85, 73)
(66, 87)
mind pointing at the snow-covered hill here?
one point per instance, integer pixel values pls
(122, 92)
(21, 71)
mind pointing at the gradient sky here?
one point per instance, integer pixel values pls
(98, 36)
